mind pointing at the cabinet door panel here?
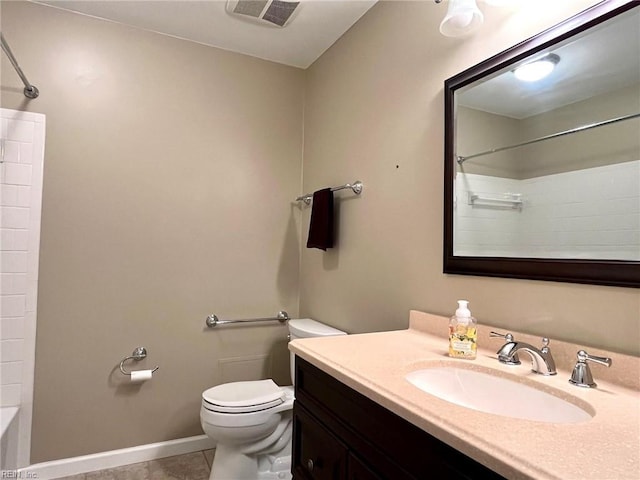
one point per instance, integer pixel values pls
(317, 454)
(359, 471)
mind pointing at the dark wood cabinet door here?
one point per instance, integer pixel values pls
(317, 454)
(357, 470)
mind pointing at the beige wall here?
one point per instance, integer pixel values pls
(169, 173)
(374, 111)
(170, 170)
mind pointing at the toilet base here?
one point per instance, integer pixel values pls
(274, 468)
(230, 464)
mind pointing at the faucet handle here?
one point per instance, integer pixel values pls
(584, 356)
(514, 360)
(507, 336)
(581, 375)
(545, 345)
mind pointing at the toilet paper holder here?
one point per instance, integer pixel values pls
(138, 354)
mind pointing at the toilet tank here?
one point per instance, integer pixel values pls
(308, 328)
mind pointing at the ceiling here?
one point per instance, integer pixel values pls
(602, 59)
(311, 30)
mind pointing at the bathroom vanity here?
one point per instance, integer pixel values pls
(341, 434)
(357, 417)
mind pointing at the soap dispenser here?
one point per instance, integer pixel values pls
(463, 333)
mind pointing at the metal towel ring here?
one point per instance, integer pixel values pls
(138, 354)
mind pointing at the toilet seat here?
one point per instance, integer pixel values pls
(243, 397)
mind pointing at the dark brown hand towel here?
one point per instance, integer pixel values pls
(321, 224)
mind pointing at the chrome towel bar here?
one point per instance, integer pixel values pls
(213, 320)
(138, 354)
(355, 186)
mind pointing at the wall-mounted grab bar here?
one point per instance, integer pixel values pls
(355, 186)
(30, 91)
(461, 159)
(213, 320)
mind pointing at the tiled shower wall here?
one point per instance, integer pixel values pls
(22, 143)
(590, 213)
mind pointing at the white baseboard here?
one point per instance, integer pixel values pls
(115, 458)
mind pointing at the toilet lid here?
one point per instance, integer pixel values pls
(242, 397)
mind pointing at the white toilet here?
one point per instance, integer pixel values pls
(251, 421)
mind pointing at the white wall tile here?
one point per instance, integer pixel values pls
(19, 131)
(31, 300)
(21, 186)
(13, 305)
(10, 372)
(21, 240)
(13, 283)
(24, 196)
(14, 262)
(6, 239)
(11, 350)
(11, 151)
(11, 239)
(10, 395)
(26, 153)
(17, 174)
(12, 328)
(9, 195)
(14, 217)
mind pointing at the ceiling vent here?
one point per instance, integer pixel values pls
(276, 13)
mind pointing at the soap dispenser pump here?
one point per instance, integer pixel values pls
(463, 333)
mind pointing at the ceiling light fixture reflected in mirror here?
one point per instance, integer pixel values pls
(462, 18)
(538, 69)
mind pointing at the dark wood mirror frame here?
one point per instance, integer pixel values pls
(607, 272)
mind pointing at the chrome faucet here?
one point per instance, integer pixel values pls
(508, 337)
(542, 361)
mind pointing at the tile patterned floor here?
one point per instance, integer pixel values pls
(191, 466)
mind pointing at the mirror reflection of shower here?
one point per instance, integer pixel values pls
(551, 142)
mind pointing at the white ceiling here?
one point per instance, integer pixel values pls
(314, 27)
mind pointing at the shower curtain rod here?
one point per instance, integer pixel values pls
(461, 159)
(30, 91)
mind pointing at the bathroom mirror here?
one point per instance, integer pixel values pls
(542, 177)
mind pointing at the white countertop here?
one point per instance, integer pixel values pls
(605, 447)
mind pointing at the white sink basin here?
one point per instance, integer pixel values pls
(493, 394)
